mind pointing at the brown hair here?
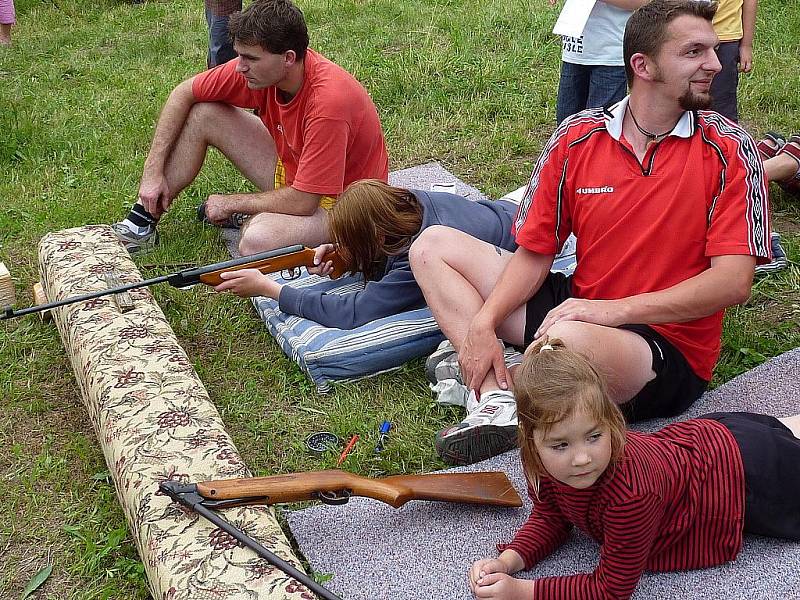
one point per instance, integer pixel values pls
(373, 220)
(551, 385)
(275, 25)
(647, 29)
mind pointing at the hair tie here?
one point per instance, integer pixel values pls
(546, 347)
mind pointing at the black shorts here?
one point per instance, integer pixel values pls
(771, 460)
(675, 386)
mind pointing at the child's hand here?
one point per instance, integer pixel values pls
(323, 267)
(499, 586)
(745, 58)
(247, 283)
(483, 567)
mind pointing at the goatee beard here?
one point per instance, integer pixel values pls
(692, 101)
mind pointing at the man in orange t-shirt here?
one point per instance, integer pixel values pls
(315, 130)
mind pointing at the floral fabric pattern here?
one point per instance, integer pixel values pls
(155, 422)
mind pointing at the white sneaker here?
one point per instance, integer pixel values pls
(443, 363)
(487, 431)
(449, 392)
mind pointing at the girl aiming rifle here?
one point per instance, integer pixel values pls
(373, 225)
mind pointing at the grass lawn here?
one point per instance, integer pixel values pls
(470, 84)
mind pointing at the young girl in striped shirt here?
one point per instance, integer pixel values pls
(676, 499)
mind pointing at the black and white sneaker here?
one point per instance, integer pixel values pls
(443, 364)
(133, 241)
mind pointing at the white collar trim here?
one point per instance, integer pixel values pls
(615, 115)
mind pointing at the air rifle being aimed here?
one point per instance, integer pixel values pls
(334, 487)
(288, 259)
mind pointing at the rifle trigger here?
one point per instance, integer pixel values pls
(333, 498)
(291, 273)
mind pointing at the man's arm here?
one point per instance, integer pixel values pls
(623, 4)
(320, 169)
(749, 8)
(627, 4)
(286, 200)
(726, 282)
(153, 189)
(480, 352)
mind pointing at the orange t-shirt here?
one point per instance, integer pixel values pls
(327, 136)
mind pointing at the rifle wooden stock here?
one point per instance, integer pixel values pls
(283, 262)
(472, 488)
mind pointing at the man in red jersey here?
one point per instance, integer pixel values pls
(669, 206)
(315, 131)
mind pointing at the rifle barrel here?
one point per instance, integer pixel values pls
(181, 279)
(270, 557)
(188, 496)
(10, 314)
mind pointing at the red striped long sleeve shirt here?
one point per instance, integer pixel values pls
(674, 501)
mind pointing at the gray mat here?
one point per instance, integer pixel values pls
(421, 177)
(422, 550)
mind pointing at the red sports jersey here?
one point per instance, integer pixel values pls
(675, 501)
(699, 193)
(327, 136)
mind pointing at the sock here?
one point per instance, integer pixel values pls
(139, 220)
(450, 391)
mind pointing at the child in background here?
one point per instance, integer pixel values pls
(675, 499)
(735, 24)
(220, 45)
(7, 19)
(592, 68)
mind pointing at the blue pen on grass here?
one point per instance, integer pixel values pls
(383, 435)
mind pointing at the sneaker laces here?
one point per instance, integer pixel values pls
(493, 406)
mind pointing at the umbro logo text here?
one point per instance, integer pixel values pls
(606, 189)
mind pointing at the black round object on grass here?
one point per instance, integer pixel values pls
(322, 441)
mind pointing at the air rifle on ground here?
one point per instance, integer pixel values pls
(288, 259)
(334, 487)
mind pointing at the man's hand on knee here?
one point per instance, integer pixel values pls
(611, 313)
